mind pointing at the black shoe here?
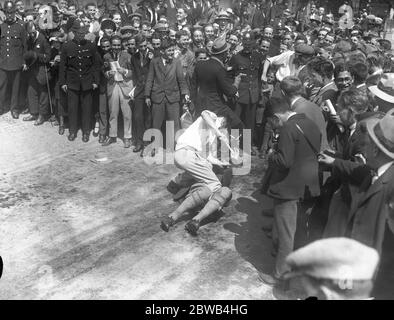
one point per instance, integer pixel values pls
(102, 138)
(192, 226)
(139, 147)
(15, 114)
(39, 121)
(127, 143)
(109, 141)
(72, 136)
(166, 223)
(85, 137)
(30, 118)
(61, 130)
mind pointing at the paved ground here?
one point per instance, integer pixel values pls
(71, 228)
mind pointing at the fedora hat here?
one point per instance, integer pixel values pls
(381, 132)
(385, 88)
(219, 46)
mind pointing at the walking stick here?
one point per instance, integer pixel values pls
(49, 92)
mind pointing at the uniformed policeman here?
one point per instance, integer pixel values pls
(78, 77)
(12, 48)
(248, 64)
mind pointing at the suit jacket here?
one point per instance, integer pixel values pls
(313, 112)
(210, 84)
(124, 60)
(294, 165)
(369, 209)
(165, 81)
(140, 73)
(79, 67)
(41, 47)
(123, 14)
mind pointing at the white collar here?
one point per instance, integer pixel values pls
(384, 168)
(294, 101)
(327, 85)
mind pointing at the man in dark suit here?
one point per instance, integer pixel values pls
(37, 92)
(294, 181)
(292, 89)
(140, 62)
(125, 10)
(210, 84)
(12, 48)
(79, 76)
(165, 88)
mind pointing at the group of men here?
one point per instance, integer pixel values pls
(314, 89)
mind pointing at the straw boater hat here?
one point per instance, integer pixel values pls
(223, 15)
(381, 132)
(385, 88)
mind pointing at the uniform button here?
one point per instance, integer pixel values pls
(8, 55)
(9, 26)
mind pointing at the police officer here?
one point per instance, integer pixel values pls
(79, 76)
(12, 48)
(248, 64)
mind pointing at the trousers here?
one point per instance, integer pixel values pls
(118, 101)
(165, 111)
(9, 89)
(37, 97)
(78, 99)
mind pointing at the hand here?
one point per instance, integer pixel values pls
(187, 98)
(57, 58)
(150, 55)
(24, 67)
(95, 86)
(148, 102)
(122, 70)
(237, 80)
(264, 78)
(325, 159)
(110, 73)
(64, 88)
(335, 119)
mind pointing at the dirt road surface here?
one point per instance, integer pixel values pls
(74, 229)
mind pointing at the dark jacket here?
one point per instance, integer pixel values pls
(165, 81)
(41, 47)
(210, 84)
(125, 16)
(314, 113)
(294, 165)
(13, 45)
(140, 73)
(369, 209)
(251, 66)
(79, 65)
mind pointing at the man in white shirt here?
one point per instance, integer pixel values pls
(191, 156)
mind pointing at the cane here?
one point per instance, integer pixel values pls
(49, 92)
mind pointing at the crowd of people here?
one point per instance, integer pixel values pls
(314, 88)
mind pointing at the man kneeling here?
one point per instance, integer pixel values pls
(206, 190)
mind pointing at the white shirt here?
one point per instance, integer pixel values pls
(285, 63)
(197, 135)
(382, 170)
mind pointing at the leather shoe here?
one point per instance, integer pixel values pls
(138, 148)
(127, 143)
(109, 141)
(61, 130)
(39, 121)
(30, 118)
(101, 138)
(72, 136)
(192, 226)
(85, 137)
(166, 223)
(15, 114)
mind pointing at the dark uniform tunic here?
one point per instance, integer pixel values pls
(12, 48)
(249, 64)
(79, 70)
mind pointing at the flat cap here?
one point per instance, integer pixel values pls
(108, 24)
(335, 259)
(305, 49)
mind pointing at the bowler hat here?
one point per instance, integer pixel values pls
(219, 46)
(381, 132)
(126, 29)
(334, 259)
